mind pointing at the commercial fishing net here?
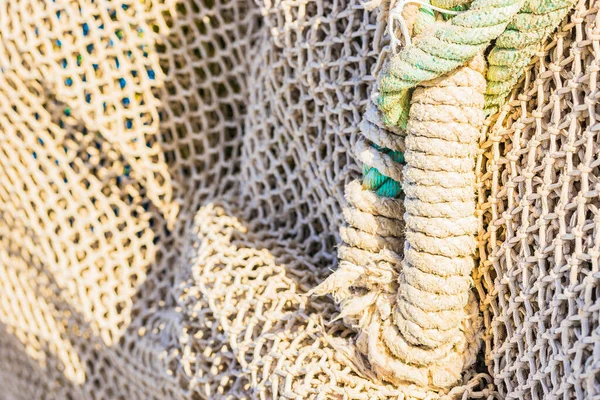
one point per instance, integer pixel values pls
(172, 180)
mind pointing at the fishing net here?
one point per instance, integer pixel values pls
(171, 187)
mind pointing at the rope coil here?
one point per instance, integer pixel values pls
(416, 317)
(404, 279)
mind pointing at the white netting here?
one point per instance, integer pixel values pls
(171, 185)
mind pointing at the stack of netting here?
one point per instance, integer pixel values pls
(171, 186)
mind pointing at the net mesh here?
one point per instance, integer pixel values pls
(171, 185)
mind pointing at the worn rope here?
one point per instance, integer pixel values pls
(439, 184)
(417, 321)
(517, 45)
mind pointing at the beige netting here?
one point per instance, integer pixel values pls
(171, 185)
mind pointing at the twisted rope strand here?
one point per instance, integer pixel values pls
(443, 48)
(435, 283)
(517, 45)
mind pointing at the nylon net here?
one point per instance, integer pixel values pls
(171, 185)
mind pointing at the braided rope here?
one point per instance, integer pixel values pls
(517, 45)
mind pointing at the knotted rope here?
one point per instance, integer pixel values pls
(405, 264)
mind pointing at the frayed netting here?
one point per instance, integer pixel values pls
(171, 186)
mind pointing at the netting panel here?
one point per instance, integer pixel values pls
(540, 199)
(171, 183)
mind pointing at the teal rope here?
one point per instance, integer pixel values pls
(374, 180)
(382, 185)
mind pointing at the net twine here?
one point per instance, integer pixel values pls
(258, 105)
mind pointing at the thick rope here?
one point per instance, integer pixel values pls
(518, 44)
(417, 321)
(439, 183)
(404, 279)
(445, 47)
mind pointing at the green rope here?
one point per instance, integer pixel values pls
(451, 45)
(452, 4)
(517, 45)
(442, 50)
(426, 18)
